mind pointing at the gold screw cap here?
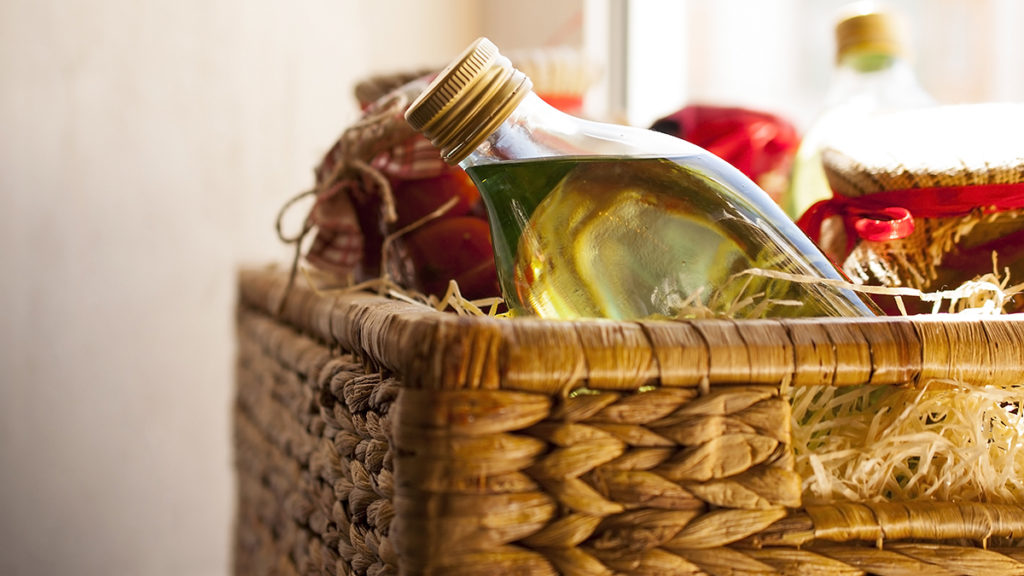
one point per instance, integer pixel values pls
(867, 27)
(468, 100)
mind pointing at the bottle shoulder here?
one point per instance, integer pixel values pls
(631, 140)
(893, 86)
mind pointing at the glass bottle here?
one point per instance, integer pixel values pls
(871, 76)
(598, 220)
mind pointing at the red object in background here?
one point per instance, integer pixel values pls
(454, 246)
(457, 248)
(759, 144)
(568, 103)
(415, 199)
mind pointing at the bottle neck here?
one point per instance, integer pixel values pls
(868, 61)
(522, 134)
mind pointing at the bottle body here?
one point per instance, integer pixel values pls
(871, 77)
(598, 220)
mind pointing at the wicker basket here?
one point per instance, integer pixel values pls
(379, 437)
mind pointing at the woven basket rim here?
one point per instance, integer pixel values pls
(435, 349)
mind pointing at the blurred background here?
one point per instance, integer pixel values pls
(146, 147)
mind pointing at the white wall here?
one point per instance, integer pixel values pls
(526, 24)
(144, 149)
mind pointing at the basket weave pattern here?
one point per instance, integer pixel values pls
(379, 437)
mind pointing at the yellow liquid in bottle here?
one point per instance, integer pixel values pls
(629, 238)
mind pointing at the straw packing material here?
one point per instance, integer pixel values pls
(944, 440)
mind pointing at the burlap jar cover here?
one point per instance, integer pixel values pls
(928, 199)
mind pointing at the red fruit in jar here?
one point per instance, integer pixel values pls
(459, 249)
(414, 199)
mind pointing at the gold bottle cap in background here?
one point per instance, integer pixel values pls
(468, 100)
(868, 27)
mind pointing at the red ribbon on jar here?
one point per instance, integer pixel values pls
(889, 215)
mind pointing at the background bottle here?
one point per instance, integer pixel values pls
(599, 220)
(872, 75)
